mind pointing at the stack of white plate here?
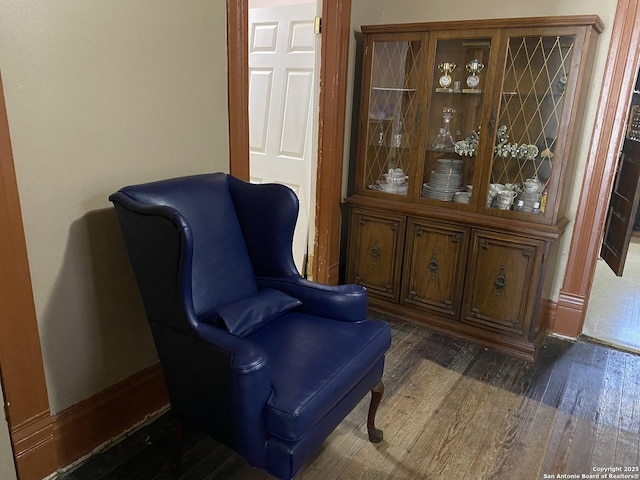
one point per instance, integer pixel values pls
(445, 180)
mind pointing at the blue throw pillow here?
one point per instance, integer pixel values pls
(249, 314)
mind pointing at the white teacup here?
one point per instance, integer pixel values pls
(395, 179)
(506, 195)
(494, 188)
(505, 198)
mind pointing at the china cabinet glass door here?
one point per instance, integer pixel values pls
(392, 126)
(459, 88)
(529, 143)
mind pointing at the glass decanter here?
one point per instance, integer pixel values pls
(445, 140)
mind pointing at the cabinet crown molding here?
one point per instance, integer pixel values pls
(517, 22)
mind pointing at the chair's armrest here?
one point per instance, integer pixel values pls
(245, 356)
(342, 302)
(218, 382)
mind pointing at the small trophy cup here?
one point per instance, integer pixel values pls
(445, 80)
(473, 67)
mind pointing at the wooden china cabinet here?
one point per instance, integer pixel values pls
(466, 144)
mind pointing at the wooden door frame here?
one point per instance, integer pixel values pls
(21, 364)
(334, 61)
(621, 71)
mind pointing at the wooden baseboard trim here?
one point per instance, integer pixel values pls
(549, 310)
(83, 427)
(569, 315)
(34, 447)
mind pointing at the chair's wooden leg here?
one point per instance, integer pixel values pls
(375, 435)
(176, 444)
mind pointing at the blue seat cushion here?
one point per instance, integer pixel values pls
(323, 360)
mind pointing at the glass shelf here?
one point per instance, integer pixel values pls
(394, 89)
(461, 92)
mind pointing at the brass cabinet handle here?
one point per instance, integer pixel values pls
(500, 281)
(433, 265)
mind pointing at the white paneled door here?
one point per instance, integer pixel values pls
(282, 107)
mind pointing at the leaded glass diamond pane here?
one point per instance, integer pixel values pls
(392, 115)
(536, 74)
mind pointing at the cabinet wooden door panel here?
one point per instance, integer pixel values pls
(434, 266)
(502, 281)
(376, 242)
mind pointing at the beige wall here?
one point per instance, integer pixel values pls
(366, 12)
(101, 94)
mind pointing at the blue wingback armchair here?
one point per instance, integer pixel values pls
(254, 355)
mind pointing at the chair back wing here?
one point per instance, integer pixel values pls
(157, 254)
(211, 240)
(267, 215)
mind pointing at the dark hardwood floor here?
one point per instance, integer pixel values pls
(451, 410)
